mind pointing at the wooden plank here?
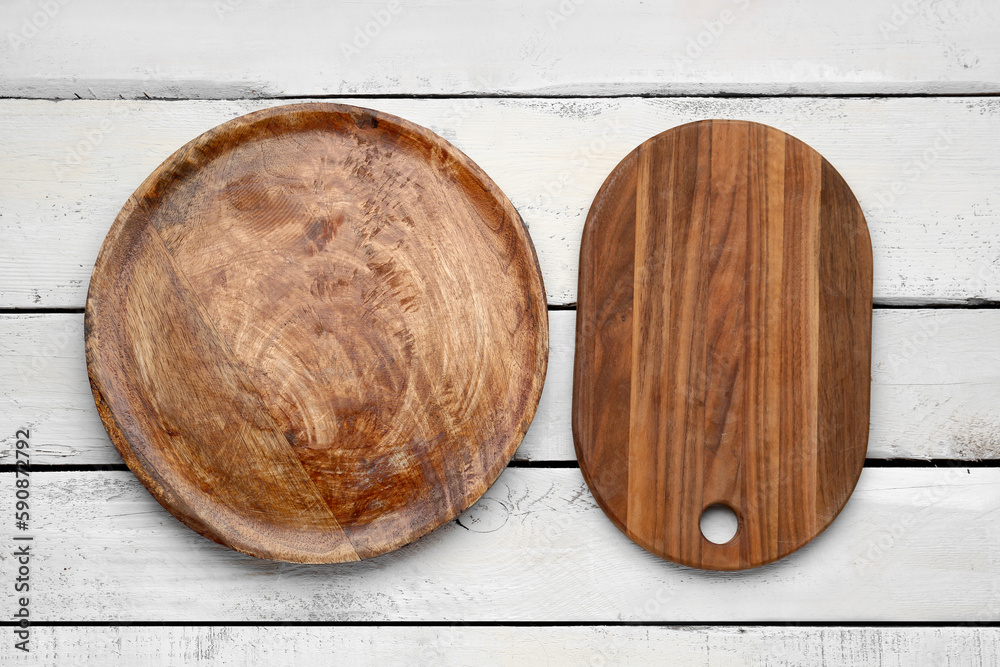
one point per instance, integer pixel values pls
(935, 388)
(559, 645)
(911, 545)
(916, 165)
(256, 48)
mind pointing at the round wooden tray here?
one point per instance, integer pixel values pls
(317, 332)
(723, 351)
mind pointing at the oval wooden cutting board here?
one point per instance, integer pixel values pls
(723, 350)
(317, 332)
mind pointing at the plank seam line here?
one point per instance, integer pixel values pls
(41, 311)
(550, 465)
(522, 624)
(513, 95)
(968, 304)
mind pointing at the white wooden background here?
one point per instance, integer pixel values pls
(547, 96)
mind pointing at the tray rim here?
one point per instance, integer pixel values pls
(176, 161)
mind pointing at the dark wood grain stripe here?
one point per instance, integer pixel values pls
(604, 332)
(846, 317)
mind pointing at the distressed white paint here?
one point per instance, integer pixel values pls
(248, 48)
(911, 544)
(935, 391)
(69, 166)
(381, 646)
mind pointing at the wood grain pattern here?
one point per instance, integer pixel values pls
(730, 362)
(239, 48)
(935, 388)
(317, 332)
(918, 167)
(380, 645)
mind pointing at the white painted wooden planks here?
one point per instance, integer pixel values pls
(935, 390)
(380, 646)
(248, 48)
(924, 170)
(934, 222)
(911, 545)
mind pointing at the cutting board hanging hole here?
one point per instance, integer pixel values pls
(719, 524)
